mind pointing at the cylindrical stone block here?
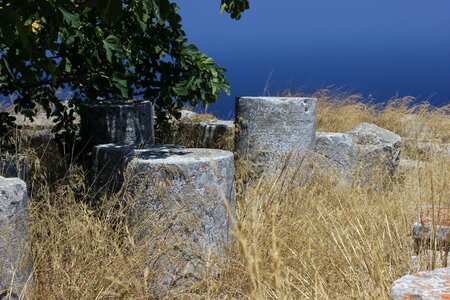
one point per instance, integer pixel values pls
(270, 128)
(15, 260)
(190, 193)
(116, 122)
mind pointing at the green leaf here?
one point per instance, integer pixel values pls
(72, 19)
(111, 43)
(142, 24)
(181, 89)
(121, 84)
(67, 65)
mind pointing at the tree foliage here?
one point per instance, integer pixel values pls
(103, 49)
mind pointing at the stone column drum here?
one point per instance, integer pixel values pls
(128, 122)
(189, 194)
(270, 128)
(15, 263)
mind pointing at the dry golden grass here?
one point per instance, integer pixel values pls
(319, 240)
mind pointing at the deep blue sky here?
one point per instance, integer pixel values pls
(378, 47)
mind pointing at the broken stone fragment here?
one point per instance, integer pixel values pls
(360, 153)
(376, 147)
(428, 285)
(429, 219)
(335, 152)
(216, 134)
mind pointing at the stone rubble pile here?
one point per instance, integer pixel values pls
(189, 192)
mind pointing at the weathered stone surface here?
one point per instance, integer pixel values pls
(15, 263)
(118, 122)
(335, 152)
(427, 285)
(215, 134)
(428, 218)
(376, 147)
(195, 130)
(108, 166)
(187, 192)
(270, 128)
(14, 165)
(187, 114)
(360, 152)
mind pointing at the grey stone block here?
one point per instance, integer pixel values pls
(108, 164)
(215, 134)
(187, 114)
(335, 153)
(359, 153)
(430, 218)
(270, 128)
(187, 192)
(376, 147)
(428, 285)
(116, 122)
(15, 260)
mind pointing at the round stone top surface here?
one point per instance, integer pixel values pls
(157, 154)
(278, 100)
(10, 181)
(371, 134)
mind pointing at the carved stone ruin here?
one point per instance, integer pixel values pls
(363, 151)
(216, 134)
(116, 122)
(271, 128)
(430, 217)
(15, 262)
(189, 195)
